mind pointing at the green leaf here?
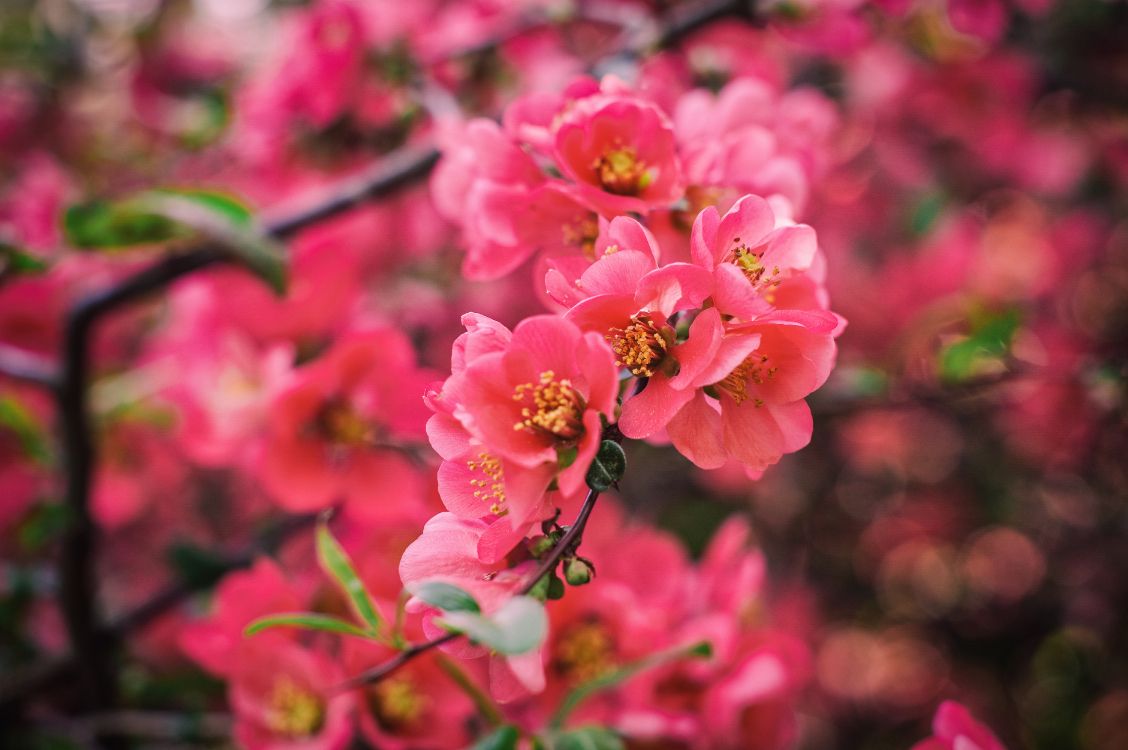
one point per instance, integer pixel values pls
(583, 738)
(218, 202)
(517, 628)
(44, 524)
(307, 620)
(503, 738)
(19, 261)
(608, 467)
(227, 221)
(445, 596)
(990, 338)
(337, 565)
(700, 650)
(16, 418)
(99, 225)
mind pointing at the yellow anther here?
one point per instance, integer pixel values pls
(584, 652)
(294, 711)
(490, 487)
(752, 370)
(397, 703)
(550, 406)
(621, 172)
(639, 347)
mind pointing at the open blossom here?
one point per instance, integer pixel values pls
(519, 411)
(448, 551)
(338, 432)
(954, 728)
(282, 697)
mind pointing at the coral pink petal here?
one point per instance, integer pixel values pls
(652, 409)
(696, 433)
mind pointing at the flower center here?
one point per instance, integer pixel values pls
(397, 703)
(490, 486)
(755, 370)
(550, 406)
(639, 347)
(584, 652)
(294, 711)
(344, 426)
(748, 261)
(621, 172)
(582, 234)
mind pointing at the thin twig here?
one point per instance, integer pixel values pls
(568, 542)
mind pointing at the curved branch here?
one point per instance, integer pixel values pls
(569, 541)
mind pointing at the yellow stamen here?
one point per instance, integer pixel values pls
(294, 711)
(754, 369)
(397, 703)
(748, 261)
(621, 172)
(584, 652)
(490, 488)
(639, 347)
(341, 424)
(551, 406)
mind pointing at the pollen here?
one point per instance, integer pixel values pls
(639, 346)
(584, 652)
(621, 172)
(342, 425)
(749, 261)
(294, 711)
(754, 370)
(582, 234)
(551, 406)
(490, 486)
(397, 703)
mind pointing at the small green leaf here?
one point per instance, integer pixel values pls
(583, 738)
(503, 738)
(990, 338)
(517, 628)
(445, 596)
(700, 650)
(307, 620)
(19, 261)
(220, 203)
(608, 467)
(44, 524)
(337, 565)
(16, 418)
(100, 225)
(226, 221)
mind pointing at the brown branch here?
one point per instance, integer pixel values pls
(22, 683)
(567, 544)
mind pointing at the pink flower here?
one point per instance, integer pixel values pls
(448, 551)
(282, 699)
(954, 728)
(622, 153)
(340, 431)
(519, 411)
(241, 598)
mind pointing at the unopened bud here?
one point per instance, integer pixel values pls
(578, 571)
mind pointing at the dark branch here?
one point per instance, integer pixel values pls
(22, 683)
(567, 544)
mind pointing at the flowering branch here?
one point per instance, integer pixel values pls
(91, 640)
(567, 542)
